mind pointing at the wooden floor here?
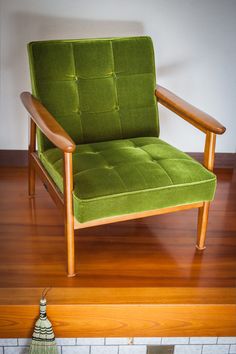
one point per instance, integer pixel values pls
(136, 278)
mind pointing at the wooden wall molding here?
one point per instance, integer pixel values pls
(13, 158)
(222, 159)
(18, 158)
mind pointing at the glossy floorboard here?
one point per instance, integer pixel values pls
(151, 261)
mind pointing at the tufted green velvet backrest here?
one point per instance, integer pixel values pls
(97, 89)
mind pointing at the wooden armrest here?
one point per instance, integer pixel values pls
(47, 123)
(188, 112)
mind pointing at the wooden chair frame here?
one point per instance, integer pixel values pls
(39, 116)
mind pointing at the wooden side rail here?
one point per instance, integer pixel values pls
(47, 123)
(193, 115)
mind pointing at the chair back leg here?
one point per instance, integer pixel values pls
(32, 148)
(31, 178)
(202, 225)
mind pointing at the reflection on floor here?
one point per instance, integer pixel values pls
(147, 261)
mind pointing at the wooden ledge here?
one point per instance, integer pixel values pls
(137, 278)
(99, 296)
(114, 312)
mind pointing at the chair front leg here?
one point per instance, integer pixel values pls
(69, 214)
(209, 154)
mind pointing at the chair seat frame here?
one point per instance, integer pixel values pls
(41, 118)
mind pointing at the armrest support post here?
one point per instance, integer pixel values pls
(209, 151)
(203, 212)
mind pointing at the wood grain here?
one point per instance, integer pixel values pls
(69, 214)
(209, 151)
(144, 252)
(120, 295)
(123, 320)
(31, 149)
(203, 212)
(139, 215)
(136, 278)
(191, 114)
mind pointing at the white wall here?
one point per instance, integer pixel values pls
(195, 51)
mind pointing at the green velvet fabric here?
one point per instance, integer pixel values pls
(97, 89)
(102, 92)
(130, 175)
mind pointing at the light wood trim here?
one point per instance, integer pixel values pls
(203, 213)
(88, 295)
(134, 320)
(143, 214)
(52, 189)
(209, 151)
(191, 114)
(31, 149)
(69, 215)
(47, 123)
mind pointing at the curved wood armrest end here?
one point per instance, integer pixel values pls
(193, 115)
(47, 123)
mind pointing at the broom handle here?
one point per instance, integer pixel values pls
(44, 292)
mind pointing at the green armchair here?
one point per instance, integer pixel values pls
(94, 107)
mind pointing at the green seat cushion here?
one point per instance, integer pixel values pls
(97, 89)
(130, 175)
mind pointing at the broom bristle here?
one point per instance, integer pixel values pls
(37, 348)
